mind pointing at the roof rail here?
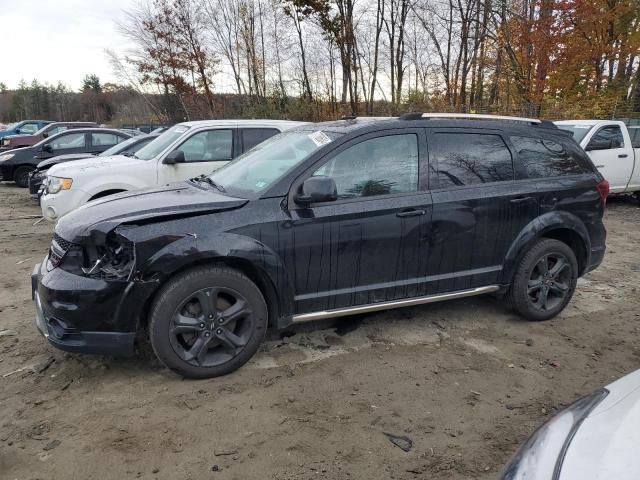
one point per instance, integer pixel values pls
(477, 116)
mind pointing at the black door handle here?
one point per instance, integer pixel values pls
(623, 155)
(521, 199)
(410, 213)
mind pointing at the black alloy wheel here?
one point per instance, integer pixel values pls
(544, 281)
(211, 326)
(207, 321)
(549, 282)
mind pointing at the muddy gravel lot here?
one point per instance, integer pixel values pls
(465, 381)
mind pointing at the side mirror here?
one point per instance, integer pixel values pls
(47, 148)
(599, 145)
(316, 190)
(177, 156)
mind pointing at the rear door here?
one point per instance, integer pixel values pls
(612, 155)
(479, 207)
(204, 151)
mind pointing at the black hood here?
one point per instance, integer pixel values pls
(96, 219)
(50, 162)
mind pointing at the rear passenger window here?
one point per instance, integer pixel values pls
(253, 136)
(545, 158)
(468, 159)
(105, 139)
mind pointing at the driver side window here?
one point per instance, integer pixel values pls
(28, 129)
(378, 166)
(208, 146)
(607, 138)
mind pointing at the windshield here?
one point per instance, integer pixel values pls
(157, 146)
(577, 130)
(257, 169)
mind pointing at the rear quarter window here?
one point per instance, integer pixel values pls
(542, 157)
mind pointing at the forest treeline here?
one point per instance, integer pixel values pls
(318, 59)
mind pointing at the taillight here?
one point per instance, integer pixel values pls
(603, 191)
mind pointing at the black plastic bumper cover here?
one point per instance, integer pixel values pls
(65, 336)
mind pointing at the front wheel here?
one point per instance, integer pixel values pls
(207, 322)
(21, 176)
(545, 280)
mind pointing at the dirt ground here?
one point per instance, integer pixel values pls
(466, 381)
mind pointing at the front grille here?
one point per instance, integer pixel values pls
(59, 248)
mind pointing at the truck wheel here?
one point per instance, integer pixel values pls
(545, 280)
(207, 322)
(21, 176)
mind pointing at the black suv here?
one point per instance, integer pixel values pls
(326, 220)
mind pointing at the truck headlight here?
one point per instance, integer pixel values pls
(541, 456)
(55, 184)
(7, 156)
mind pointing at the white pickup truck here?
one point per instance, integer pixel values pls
(184, 151)
(614, 149)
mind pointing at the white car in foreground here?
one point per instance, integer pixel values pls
(184, 151)
(595, 438)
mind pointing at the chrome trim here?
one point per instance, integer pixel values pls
(476, 115)
(374, 307)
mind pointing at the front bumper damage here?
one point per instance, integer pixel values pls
(66, 318)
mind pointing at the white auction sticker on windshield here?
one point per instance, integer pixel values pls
(319, 138)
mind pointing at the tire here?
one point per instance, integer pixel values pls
(538, 295)
(21, 176)
(197, 337)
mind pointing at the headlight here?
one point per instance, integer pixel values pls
(55, 184)
(7, 156)
(113, 261)
(541, 456)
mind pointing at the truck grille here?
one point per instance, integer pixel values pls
(59, 248)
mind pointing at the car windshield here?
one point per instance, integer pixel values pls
(257, 169)
(577, 130)
(157, 146)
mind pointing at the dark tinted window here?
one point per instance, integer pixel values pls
(378, 166)
(611, 135)
(546, 158)
(253, 136)
(468, 159)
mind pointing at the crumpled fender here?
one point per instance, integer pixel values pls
(536, 229)
(158, 257)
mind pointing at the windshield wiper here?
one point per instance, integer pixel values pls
(204, 178)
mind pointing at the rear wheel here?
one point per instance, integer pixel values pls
(207, 322)
(544, 281)
(21, 176)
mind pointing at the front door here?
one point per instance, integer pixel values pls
(371, 244)
(478, 208)
(64, 144)
(611, 156)
(204, 152)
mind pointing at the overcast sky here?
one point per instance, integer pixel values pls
(54, 40)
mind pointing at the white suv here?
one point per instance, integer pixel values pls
(184, 151)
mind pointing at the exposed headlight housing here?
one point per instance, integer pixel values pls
(113, 261)
(55, 184)
(7, 156)
(541, 456)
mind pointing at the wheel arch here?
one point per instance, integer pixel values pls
(562, 226)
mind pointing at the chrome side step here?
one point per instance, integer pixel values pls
(374, 307)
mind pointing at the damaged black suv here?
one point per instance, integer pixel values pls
(322, 221)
